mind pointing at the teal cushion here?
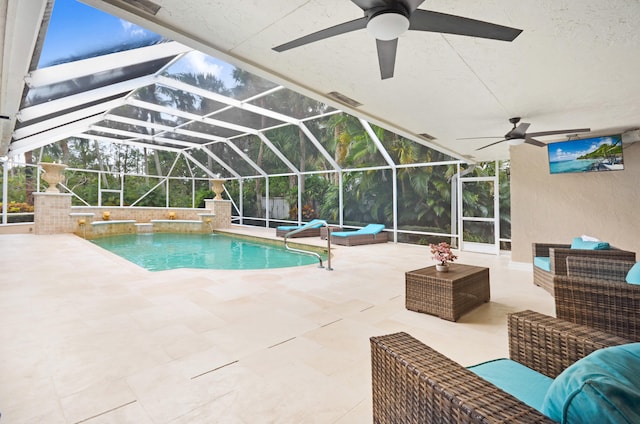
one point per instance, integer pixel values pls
(344, 233)
(633, 276)
(578, 243)
(603, 387)
(287, 227)
(542, 262)
(316, 223)
(371, 229)
(522, 382)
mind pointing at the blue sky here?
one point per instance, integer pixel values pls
(76, 29)
(570, 150)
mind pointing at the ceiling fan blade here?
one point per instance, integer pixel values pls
(489, 145)
(534, 142)
(426, 20)
(411, 5)
(370, 4)
(477, 138)
(365, 5)
(520, 131)
(387, 57)
(325, 33)
(543, 133)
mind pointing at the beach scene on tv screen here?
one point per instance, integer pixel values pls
(589, 154)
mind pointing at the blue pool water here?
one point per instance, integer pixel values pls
(162, 251)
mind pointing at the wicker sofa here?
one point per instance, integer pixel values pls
(557, 254)
(412, 383)
(594, 293)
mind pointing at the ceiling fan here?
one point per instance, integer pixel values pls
(519, 134)
(386, 20)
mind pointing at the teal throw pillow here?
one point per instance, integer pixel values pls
(633, 276)
(603, 387)
(578, 243)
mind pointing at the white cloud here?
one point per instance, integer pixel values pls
(199, 63)
(562, 155)
(132, 30)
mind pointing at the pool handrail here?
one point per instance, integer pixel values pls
(309, 252)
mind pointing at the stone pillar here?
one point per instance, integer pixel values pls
(222, 211)
(52, 213)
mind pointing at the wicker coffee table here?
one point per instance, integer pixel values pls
(447, 295)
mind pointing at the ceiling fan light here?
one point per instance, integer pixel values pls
(516, 141)
(388, 25)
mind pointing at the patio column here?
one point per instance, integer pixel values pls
(221, 209)
(52, 213)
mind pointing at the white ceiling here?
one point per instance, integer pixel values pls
(576, 63)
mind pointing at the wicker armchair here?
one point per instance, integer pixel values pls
(594, 293)
(557, 253)
(413, 383)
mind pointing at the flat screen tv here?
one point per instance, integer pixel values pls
(586, 155)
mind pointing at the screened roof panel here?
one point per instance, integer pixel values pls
(204, 71)
(296, 147)
(261, 154)
(323, 130)
(185, 101)
(344, 138)
(61, 112)
(227, 153)
(211, 129)
(164, 142)
(184, 137)
(107, 134)
(246, 118)
(209, 162)
(362, 153)
(147, 115)
(97, 34)
(217, 76)
(46, 93)
(249, 85)
(404, 151)
(125, 126)
(169, 97)
(290, 103)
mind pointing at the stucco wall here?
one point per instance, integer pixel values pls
(556, 208)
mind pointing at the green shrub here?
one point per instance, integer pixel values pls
(16, 207)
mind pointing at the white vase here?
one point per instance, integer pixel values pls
(442, 267)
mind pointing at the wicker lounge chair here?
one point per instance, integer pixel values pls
(557, 254)
(594, 293)
(370, 234)
(312, 231)
(412, 383)
(325, 230)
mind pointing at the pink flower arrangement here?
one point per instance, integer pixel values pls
(442, 253)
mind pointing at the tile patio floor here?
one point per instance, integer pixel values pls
(87, 337)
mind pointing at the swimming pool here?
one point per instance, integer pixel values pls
(163, 251)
